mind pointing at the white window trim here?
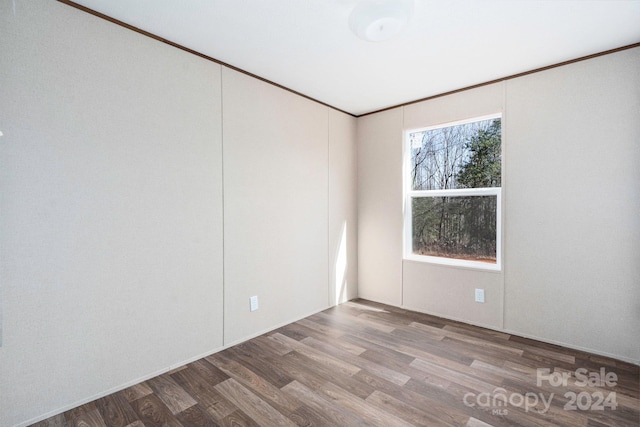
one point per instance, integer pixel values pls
(451, 124)
(409, 194)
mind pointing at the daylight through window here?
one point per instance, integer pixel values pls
(453, 193)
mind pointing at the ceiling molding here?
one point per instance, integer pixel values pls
(513, 76)
(209, 58)
(193, 52)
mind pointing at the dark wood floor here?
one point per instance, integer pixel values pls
(363, 363)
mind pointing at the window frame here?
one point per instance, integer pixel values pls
(410, 194)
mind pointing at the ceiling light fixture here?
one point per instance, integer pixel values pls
(380, 20)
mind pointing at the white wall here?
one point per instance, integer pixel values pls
(112, 234)
(111, 208)
(343, 209)
(573, 204)
(571, 187)
(275, 205)
(380, 207)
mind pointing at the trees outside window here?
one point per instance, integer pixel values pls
(453, 180)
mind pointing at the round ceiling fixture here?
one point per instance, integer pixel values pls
(380, 20)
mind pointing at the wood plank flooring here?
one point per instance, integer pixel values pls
(368, 364)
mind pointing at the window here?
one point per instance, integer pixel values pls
(453, 176)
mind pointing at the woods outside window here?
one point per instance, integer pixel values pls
(453, 179)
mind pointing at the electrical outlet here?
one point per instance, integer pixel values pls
(253, 303)
(479, 295)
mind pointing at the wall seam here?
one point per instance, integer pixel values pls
(402, 154)
(329, 251)
(505, 144)
(224, 279)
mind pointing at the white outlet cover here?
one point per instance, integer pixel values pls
(479, 295)
(253, 303)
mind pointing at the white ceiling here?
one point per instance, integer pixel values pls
(306, 45)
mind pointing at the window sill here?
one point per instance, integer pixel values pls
(454, 262)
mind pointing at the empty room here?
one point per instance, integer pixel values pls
(319, 213)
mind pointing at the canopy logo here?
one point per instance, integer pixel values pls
(500, 399)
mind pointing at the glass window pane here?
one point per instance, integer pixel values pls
(462, 227)
(460, 156)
